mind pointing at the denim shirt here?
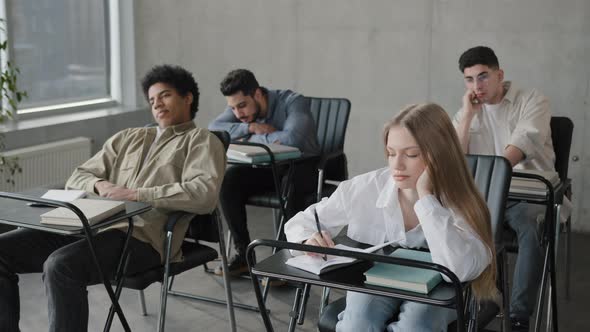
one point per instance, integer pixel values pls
(288, 112)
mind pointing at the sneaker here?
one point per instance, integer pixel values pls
(236, 267)
(519, 324)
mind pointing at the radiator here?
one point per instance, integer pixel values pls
(46, 164)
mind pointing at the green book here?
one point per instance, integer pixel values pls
(404, 277)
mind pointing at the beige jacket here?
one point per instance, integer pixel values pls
(183, 172)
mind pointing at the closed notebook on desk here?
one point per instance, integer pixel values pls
(95, 211)
(404, 277)
(519, 185)
(255, 154)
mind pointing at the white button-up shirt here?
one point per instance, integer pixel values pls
(369, 205)
(522, 120)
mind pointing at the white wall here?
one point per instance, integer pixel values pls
(379, 54)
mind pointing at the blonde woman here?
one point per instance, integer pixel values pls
(426, 198)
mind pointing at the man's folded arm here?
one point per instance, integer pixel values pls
(96, 168)
(199, 188)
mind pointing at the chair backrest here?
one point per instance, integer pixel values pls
(562, 129)
(492, 175)
(331, 119)
(204, 227)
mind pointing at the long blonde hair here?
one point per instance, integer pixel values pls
(451, 179)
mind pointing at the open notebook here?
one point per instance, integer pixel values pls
(317, 265)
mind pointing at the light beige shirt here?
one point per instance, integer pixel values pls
(183, 172)
(522, 120)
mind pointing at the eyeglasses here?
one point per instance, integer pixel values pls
(482, 78)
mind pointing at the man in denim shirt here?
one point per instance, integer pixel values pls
(257, 114)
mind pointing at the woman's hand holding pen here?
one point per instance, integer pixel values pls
(319, 240)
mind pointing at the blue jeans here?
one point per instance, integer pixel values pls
(371, 313)
(67, 269)
(522, 218)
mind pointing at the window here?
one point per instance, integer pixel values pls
(62, 50)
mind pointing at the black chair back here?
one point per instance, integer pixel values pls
(562, 129)
(331, 119)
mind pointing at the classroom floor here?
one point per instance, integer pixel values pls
(188, 315)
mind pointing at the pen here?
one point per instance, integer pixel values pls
(317, 223)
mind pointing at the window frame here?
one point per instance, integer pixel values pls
(121, 54)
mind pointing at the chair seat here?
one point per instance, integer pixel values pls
(269, 200)
(329, 318)
(194, 255)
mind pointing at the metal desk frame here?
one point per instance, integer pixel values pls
(131, 209)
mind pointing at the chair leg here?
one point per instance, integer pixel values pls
(228, 244)
(226, 282)
(142, 302)
(303, 305)
(568, 231)
(171, 283)
(325, 299)
(504, 324)
(164, 288)
(295, 309)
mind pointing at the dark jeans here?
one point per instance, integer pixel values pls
(241, 182)
(67, 269)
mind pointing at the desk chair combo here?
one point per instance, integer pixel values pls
(492, 175)
(17, 214)
(562, 129)
(331, 119)
(561, 134)
(202, 228)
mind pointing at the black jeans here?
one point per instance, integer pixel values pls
(67, 269)
(241, 182)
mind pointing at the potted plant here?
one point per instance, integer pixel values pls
(10, 97)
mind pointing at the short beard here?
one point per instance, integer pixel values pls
(257, 113)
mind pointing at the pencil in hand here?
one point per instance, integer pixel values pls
(317, 224)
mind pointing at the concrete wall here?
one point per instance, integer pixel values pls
(379, 54)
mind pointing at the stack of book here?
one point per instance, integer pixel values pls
(255, 154)
(95, 210)
(404, 277)
(520, 185)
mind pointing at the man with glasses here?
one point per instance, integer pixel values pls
(498, 118)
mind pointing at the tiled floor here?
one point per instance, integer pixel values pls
(188, 315)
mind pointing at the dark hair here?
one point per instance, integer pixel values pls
(181, 79)
(479, 55)
(239, 80)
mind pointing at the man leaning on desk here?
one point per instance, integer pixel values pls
(257, 114)
(174, 166)
(498, 118)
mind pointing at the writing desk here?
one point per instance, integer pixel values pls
(552, 198)
(351, 278)
(14, 211)
(282, 193)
